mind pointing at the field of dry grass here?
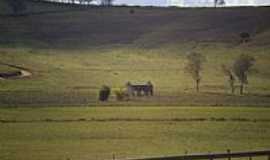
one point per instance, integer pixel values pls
(72, 53)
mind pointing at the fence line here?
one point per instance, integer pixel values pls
(228, 155)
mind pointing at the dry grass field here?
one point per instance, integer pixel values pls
(54, 114)
(72, 52)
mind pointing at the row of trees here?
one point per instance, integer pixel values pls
(239, 70)
(87, 2)
(18, 6)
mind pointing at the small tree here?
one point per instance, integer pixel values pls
(194, 67)
(215, 3)
(106, 2)
(228, 72)
(17, 6)
(219, 2)
(81, 2)
(88, 1)
(241, 67)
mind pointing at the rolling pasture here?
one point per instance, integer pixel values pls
(72, 52)
(98, 133)
(74, 77)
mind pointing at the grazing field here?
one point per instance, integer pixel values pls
(74, 77)
(73, 51)
(98, 133)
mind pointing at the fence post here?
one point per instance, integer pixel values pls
(113, 156)
(229, 152)
(250, 157)
(210, 156)
(268, 157)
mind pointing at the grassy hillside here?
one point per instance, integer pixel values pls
(146, 27)
(72, 51)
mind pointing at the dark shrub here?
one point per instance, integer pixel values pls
(245, 37)
(104, 93)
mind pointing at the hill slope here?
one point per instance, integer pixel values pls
(73, 51)
(53, 26)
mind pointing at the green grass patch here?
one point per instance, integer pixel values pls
(126, 139)
(62, 77)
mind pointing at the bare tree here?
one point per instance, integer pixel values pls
(81, 1)
(229, 73)
(215, 3)
(17, 6)
(88, 1)
(219, 2)
(106, 2)
(241, 67)
(194, 67)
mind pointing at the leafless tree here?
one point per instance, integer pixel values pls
(219, 2)
(106, 2)
(229, 73)
(241, 67)
(194, 67)
(17, 6)
(81, 1)
(88, 1)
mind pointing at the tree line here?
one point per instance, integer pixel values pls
(19, 6)
(85, 2)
